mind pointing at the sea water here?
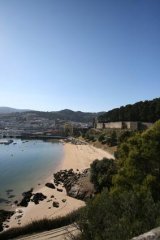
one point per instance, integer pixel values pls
(26, 164)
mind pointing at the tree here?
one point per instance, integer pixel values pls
(139, 162)
(102, 173)
(147, 111)
(124, 136)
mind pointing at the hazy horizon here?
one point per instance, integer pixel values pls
(81, 55)
(75, 110)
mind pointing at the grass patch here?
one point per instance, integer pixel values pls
(40, 226)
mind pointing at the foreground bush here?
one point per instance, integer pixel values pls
(119, 216)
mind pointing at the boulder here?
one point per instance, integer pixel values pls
(50, 185)
(59, 189)
(26, 198)
(28, 193)
(37, 197)
(77, 184)
(56, 204)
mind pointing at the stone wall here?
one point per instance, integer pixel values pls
(154, 234)
(131, 125)
(118, 125)
(124, 125)
(115, 125)
(99, 125)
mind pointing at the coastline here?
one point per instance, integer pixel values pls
(76, 157)
(25, 165)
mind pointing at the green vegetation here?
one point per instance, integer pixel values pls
(139, 163)
(118, 216)
(129, 200)
(3, 216)
(102, 173)
(40, 226)
(124, 136)
(147, 111)
(101, 137)
(105, 137)
(112, 140)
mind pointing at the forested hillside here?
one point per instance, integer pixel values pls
(147, 111)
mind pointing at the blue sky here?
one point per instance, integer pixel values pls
(88, 55)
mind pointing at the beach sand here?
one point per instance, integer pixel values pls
(76, 157)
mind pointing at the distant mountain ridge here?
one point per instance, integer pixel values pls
(66, 114)
(7, 110)
(69, 115)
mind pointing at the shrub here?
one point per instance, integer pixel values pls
(101, 138)
(102, 172)
(118, 216)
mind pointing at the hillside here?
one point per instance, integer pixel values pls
(69, 115)
(8, 110)
(147, 111)
(66, 114)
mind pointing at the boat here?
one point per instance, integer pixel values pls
(6, 142)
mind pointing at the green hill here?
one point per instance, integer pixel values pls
(147, 111)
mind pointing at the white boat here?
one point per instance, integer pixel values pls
(6, 142)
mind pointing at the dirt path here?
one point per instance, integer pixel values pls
(63, 233)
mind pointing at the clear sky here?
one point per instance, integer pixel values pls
(88, 55)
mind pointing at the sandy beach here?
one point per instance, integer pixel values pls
(76, 157)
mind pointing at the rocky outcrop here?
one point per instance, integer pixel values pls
(26, 198)
(154, 234)
(30, 196)
(75, 141)
(37, 197)
(77, 184)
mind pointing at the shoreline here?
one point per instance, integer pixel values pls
(11, 191)
(76, 157)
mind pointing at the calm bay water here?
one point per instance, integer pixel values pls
(26, 164)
